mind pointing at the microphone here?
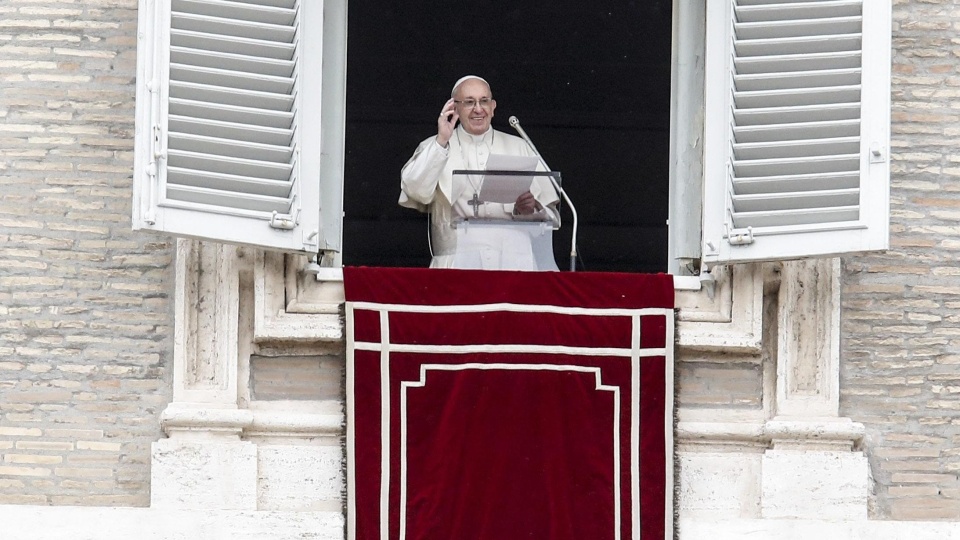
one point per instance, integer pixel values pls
(515, 124)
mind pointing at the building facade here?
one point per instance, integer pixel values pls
(153, 387)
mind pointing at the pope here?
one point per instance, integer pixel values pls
(427, 184)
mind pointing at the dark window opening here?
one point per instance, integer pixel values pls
(589, 81)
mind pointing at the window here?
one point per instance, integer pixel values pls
(589, 81)
(795, 112)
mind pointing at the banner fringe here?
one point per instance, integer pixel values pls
(344, 489)
(676, 421)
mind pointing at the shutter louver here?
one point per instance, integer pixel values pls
(229, 123)
(795, 154)
(779, 79)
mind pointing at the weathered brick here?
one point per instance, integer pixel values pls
(924, 508)
(98, 446)
(77, 472)
(44, 446)
(74, 433)
(913, 491)
(20, 432)
(31, 459)
(23, 471)
(22, 498)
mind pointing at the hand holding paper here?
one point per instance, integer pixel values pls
(525, 204)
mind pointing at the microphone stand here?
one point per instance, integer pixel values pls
(515, 124)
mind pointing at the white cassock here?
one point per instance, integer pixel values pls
(427, 184)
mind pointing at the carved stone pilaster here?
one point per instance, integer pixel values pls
(808, 352)
(206, 324)
(813, 468)
(204, 464)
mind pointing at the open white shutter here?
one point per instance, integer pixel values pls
(229, 121)
(796, 158)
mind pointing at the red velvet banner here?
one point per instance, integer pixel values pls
(509, 405)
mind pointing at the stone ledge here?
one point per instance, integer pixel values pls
(183, 420)
(835, 433)
(101, 523)
(839, 432)
(696, 528)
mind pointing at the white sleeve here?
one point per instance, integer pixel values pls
(420, 175)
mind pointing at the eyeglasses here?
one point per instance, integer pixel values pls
(471, 103)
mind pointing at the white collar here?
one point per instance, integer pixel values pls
(484, 138)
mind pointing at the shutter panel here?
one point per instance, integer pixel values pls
(228, 111)
(796, 143)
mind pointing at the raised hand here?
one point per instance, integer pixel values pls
(446, 122)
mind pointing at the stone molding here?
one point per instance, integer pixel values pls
(809, 433)
(184, 420)
(730, 319)
(292, 307)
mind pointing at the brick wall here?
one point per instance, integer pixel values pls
(85, 309)
(901, 316)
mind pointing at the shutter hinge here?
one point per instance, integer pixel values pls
(310, 242)
(739, 238)
(156, 154)
(284, 222)
(157, 142)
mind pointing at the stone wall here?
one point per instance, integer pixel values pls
(900, 319)
(85, 303)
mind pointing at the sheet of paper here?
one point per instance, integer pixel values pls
(502, 188)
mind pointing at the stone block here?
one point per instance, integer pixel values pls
(299, 478)
(195, 474)
(814, 484)
(719, 485)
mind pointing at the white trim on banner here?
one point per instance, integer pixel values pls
(422, 382)
(385, 348)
